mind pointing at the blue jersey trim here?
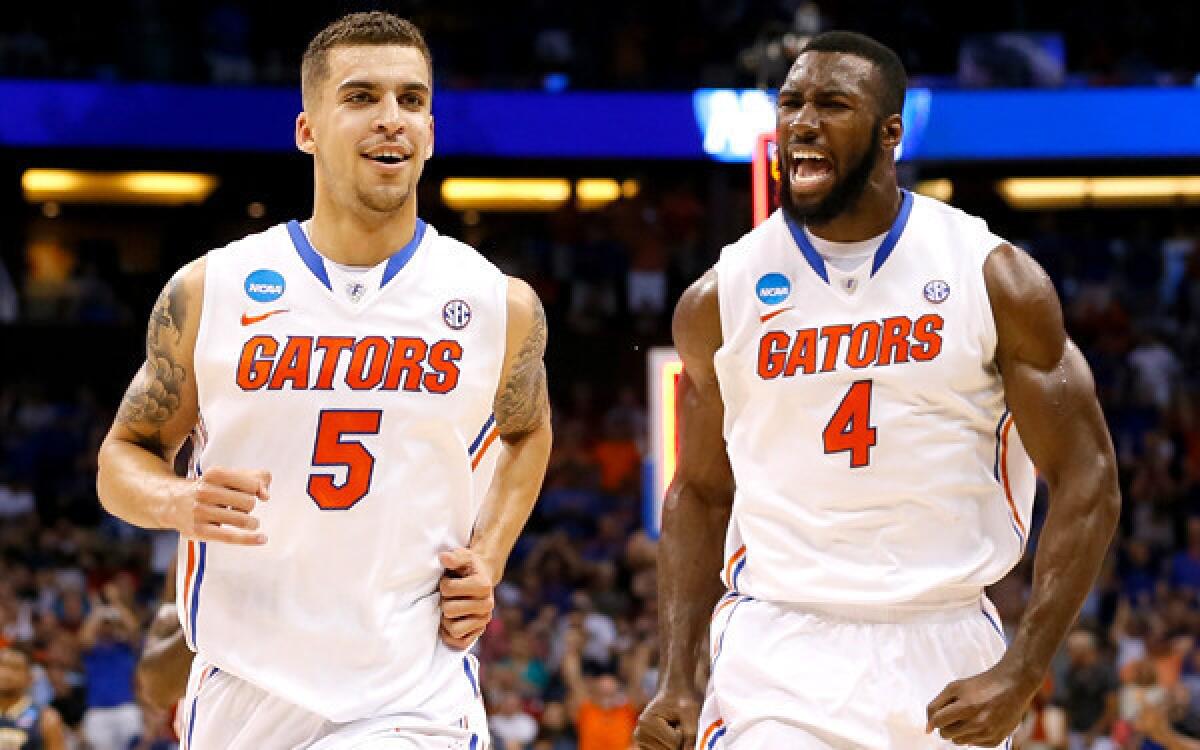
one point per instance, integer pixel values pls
(402, 256)
(308, 254)
(817, 263)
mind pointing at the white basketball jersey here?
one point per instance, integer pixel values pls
(865, 420)
(372, 410)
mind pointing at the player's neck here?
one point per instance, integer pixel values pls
(355, 240)
(871, 215)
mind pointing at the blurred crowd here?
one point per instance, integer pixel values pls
(571, 654)
(618, 44)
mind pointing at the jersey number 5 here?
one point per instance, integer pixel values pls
(850, 427)
(331, 450)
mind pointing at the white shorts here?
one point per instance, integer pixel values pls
(807, 678)
(224, 712)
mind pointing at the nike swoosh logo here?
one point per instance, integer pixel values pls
(770, 315)
(249, 320)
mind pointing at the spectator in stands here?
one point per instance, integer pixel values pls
(109, 637)
(511, 726)
(24, 724)
(555, 732)
(605, 710)
(1088, 694)
(1185, 565)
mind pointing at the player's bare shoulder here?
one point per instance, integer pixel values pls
(160, 406)
(696, 324)
(1029, 319)
(522, 402)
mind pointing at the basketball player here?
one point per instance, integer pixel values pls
(351, 380)
(166, 660)
(866, 377)
(23, 725)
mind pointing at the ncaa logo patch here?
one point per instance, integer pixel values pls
(265, 285)
(937, 291)
(773, 288)
(456, 314)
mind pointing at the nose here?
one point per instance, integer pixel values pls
(803, 124)
(388, 117)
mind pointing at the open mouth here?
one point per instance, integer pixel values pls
(387, 157)
(809, 168)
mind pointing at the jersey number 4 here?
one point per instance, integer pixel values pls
(330, 449)
(850, 429)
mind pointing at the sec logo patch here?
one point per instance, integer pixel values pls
(456, 314)
(937, 291)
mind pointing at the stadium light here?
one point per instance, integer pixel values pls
(1078, 192)
(145, 188)
(531, 193)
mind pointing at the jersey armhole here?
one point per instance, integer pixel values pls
(988, 315)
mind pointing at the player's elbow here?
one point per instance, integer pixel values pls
(105, 472)
(1108, 491)
(158, 687)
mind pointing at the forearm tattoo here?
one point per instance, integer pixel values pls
(154, 395)
(522, 403)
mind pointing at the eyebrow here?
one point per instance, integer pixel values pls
(375, 86)
(825, 92)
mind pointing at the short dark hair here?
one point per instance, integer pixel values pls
(372, 28)
(891, 71)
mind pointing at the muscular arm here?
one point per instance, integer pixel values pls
(522, 409)
(166, 660)
(136, 481)
(695, 516)
(1050, 391)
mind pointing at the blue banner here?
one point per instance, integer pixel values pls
(718, 124)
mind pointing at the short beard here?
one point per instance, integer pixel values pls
(386, 203)
(844, 195)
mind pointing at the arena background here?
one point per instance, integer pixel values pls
(641, 119)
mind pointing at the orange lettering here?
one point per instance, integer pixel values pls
(893, 346)
(443, 357)
(834, 334)
(407, 354)
(333, 347)
(358, 376)
(926, 331)
(293, 364)
(771, 348)
(864, 345)
(804, 353)
(254, 367)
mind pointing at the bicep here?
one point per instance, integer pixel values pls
(1047, 382)
(161, 405)
(1050, 403)
(521, 404)
(702, 460)
(696, 329)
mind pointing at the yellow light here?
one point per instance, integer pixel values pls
(505, 194)
(153, 188)
(167, 183)
(1076, 192)
(942, 189)
(630, 189)
(596, 193)
(42, 180)
(668, 385)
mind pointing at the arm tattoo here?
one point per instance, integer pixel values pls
(154, 395)
(522, 403)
